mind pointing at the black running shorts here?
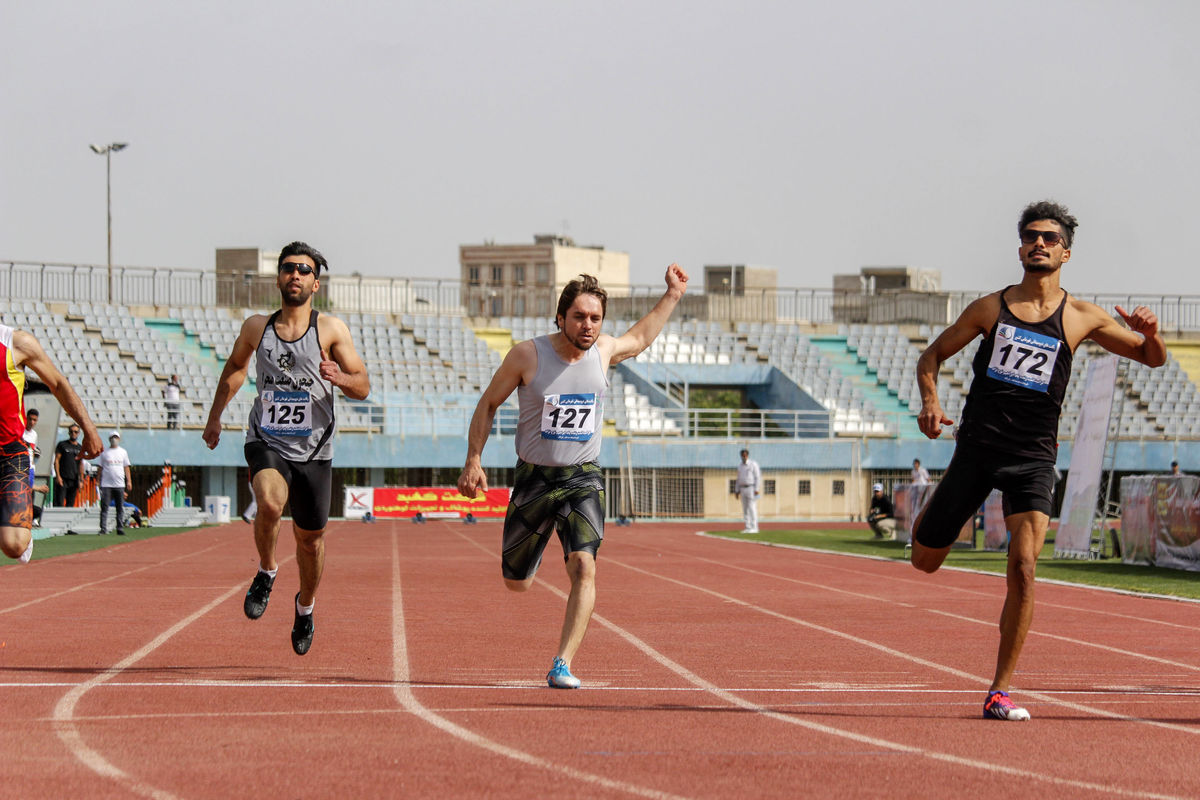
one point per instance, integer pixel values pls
(309, 484)
(973, 473)
(16, 492)
(567, 499)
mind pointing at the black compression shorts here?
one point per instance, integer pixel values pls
(309, 484)
(973, 473)
(567, 499)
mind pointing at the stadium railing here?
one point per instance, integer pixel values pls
(353, 293)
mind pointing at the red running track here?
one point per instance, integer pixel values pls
(713, 668)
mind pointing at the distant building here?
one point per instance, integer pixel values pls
(524, 280)
(739, 279)
(739, 293)
(886, 295)
(244, 275)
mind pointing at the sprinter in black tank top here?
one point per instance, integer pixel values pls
(1008, 438)
(1021, 370)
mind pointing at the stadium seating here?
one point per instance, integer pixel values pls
(428, 370)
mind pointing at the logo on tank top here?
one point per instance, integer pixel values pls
(286, 361)
(1023, 358)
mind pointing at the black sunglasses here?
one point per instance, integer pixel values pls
(1051, 238)
(291, 266)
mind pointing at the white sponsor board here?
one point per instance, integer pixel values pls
(358, 501)
(1074, 536)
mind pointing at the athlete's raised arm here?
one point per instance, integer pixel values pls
(645, 330)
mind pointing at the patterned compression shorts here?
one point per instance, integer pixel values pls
(16, 491)
(567, 499)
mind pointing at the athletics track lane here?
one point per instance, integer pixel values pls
(769, 632)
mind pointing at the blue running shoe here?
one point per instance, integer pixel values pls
(1000, 706)
(560, 677)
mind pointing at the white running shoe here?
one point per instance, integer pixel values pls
(28, 554)
(560, 677)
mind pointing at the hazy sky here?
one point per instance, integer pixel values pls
(813, 138)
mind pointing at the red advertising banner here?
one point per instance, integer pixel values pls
(437, 502)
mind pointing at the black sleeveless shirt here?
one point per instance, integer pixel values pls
(1021, 374)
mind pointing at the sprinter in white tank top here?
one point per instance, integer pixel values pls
(580, 314)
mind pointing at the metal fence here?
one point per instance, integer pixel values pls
(163, 286)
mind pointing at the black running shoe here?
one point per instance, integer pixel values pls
(302, 631)
(258, 594)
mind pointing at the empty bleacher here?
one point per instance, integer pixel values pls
(428, 370)
(829, 368)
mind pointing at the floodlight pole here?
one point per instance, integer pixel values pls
(107, 151)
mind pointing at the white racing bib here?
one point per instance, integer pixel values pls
(1023, 358)
(287, 413)
(569, 417)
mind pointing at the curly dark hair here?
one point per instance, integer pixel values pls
(1055, 212)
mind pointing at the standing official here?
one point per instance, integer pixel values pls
(749, 486)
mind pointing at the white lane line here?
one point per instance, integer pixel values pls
(408, 700)
(792, 719)
(950, 614)
(1123, 692)
(1193, 730)
(978, 593)
(64, 710)
(90, 584)
(1070, 640)
(492, 710)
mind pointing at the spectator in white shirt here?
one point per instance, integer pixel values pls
(171, 394)
(115, 480)
(749, 482)
(920, 475)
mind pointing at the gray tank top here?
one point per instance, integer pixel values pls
(560, 409)
(293, 413)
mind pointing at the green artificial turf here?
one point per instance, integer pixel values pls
(1110, 572)
(66, 545)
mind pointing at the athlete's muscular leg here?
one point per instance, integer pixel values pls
(271, 491)
(581, 568)
(519, 586)
(310, 558)
(13, 541)
(1028, 531)
(926, 559)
